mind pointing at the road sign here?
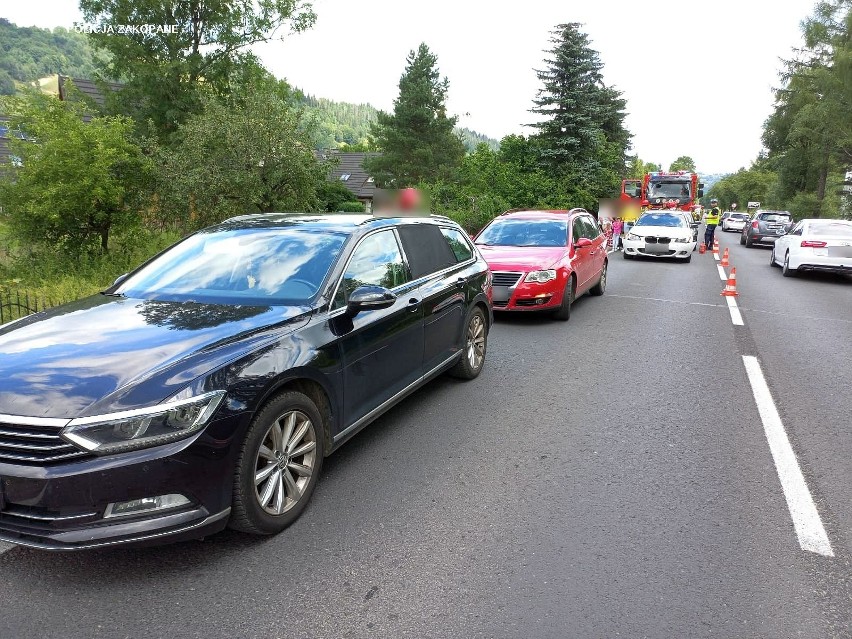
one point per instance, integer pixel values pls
(754, 205)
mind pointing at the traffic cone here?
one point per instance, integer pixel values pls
(731, 286)
(715, 247)
(702, 249)
(724, 261)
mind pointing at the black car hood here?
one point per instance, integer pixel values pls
(78, 359)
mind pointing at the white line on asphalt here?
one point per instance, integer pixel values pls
(809, 528)
(658, 299)
(736, 316)
(716, 256)
(722, 275)
(4, 547)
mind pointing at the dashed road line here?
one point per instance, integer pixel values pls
(806, 520)
(722, 275)
(716, 256)
(736, 316)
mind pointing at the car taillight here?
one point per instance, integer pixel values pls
(754, 224)
(813, 244)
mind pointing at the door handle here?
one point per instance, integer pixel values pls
(413, 304)
(461, 282)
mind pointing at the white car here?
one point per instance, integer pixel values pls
(665, 234)
(815, 245)
(734, 221)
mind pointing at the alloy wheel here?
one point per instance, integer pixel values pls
(475, 347)
(285, 462)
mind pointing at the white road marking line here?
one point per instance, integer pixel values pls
(716, 256)
(722, 275)
(736, 316)
(5, 547)
(809, 528)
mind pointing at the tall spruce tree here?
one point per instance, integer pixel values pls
(582, 134)
(416, 141)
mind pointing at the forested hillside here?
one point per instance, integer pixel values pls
(344, 123)
(29, 53)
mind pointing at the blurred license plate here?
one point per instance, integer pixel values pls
(840, 251)
(656, 248)
(500, 293)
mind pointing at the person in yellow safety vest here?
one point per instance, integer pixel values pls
(711, 219)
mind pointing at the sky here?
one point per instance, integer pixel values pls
(697, 76)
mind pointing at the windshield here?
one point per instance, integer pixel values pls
(272, 266)
(660, 219)
(774, 217)
(520, 232)
(835, 229)
(669, 190)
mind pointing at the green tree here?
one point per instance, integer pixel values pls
(75, 182)
(809, 134)
(582, 134)
(247, 156)
(417, 140)
(164, 72)
(683, 163)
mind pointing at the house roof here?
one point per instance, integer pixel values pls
(358, 182)
(87, 87)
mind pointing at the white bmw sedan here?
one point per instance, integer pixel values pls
(660, 234)
(815, 245)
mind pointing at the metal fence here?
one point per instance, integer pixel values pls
(16, 303)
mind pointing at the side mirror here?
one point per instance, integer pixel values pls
(120, 279)
(700, 185)
(583, 242)
(700, 191)
(369, 298)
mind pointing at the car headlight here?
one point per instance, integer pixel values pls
(541, 276)
(634, 237)
(143, 427)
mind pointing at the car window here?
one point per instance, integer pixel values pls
(774, 217)
(592, 230)
(245, 267)
(660, 219)
(837, 229)
(376, 262)
(579, 229)
(797, 230)
(524, 232)
(426, 249)
(458, 243)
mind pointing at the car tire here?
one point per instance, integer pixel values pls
(748, 242)
(563, 313)
(474, 346)
(786, 271)
(742, 239)
(772, 258)
(289, 423)
(687, 259)
(627, 256)
(600, 287)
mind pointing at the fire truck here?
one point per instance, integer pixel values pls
(660, 189)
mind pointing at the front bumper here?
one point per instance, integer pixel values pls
(62, 506)
(529, 296)
(672, 250)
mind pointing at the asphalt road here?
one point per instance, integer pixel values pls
(607, 477)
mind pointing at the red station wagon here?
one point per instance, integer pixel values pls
(544, 260)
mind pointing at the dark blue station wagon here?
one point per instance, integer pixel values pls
(204, 389)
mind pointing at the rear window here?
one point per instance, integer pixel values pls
(834, 229)
(739, 216)
(774, 217)
(426, 248)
